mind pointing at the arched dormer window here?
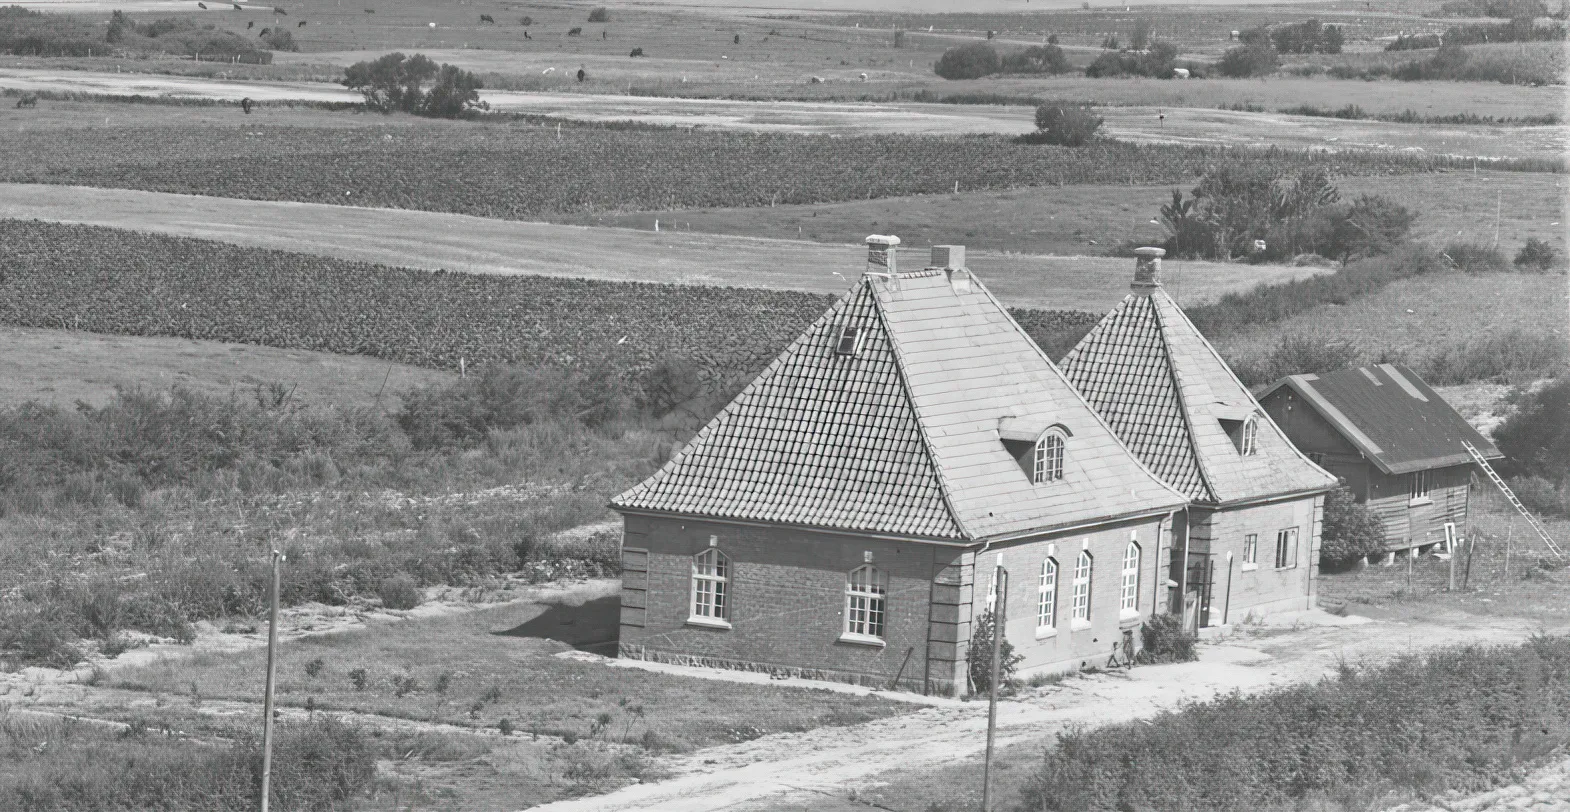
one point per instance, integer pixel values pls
(1049, 457)
(1250, 444)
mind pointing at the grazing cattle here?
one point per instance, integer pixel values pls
(245, 104)
(202, 6)
(264, 32)
(300, 24)
(582, 74)
(575, 31)
(736, 40)
(486, 18)
(250, 25)
(864, 77)
(605, 35)
(237, 7)
(526, 35)
(27, 100)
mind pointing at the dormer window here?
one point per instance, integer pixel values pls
(1049, 458)
(851, 340)
(1244, 434)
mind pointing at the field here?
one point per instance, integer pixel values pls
(65, 367)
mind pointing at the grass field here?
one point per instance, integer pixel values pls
(1064, 220)
(1437, 324)
(62, 367)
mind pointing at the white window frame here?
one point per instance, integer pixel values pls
(857, 336)
(1417, 488)
(710, 601)
(1084, 568)
(1250, 444)
(1128, 607)
(1286, 548)
(1047, 599)
(1051, 454)
(1250, 552)
(866, 606)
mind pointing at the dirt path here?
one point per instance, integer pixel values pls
(1170, 124)
(796, 768)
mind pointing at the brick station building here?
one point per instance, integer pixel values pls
(841, 518)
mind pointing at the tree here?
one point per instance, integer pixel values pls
(599, 14)
(1536, 437)
(1370, 225)
(280, 39)
(1065, 125)
(1536, 255)
(1251, 59)
(1351, 531)
(971, 61)
(1036, 59)
(981, 656)
(118, 24)
(396, 82)
(1141, 38)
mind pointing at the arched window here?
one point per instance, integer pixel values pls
(1047, 595)
(1049, 457)
(1082, 588)
(710, 585)
(1250, 436)
(1130, 602)
(865, 592)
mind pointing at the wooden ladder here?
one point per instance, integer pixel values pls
(1493, 476)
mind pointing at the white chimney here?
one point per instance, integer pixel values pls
(951, 258)
(1147, 270)
(880, 254)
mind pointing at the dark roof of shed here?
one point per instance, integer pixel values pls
(1392, 416)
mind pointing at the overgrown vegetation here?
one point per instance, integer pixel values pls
(1535, 440)
(1524, 29)
(396, 83)
(1064, 125)
(1417, 725)
(1509, 9)
(1163, 640)
(979, 59)
(1157, 61)
(1351, 531)
(24, 32)
(980, 659)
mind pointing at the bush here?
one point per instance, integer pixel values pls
(1351, 531)
(1065, 125)
(1036, 59)
(1474, 258)
(1298, 354)
(1496, 354)
(1157, 62)
(1371, 225)
(1307, 37)
(395, 82)
(280, 39)
(981, 656)
(1243, 61)
(1163, 640)
(1536, 255)
(1541, 496)
(504, 397)
(599, 14)
(400, 592)
(971, 61)
(1536, 436)
(636, 52)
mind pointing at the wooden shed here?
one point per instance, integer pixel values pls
(1391, 439)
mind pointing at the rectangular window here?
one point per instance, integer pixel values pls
(850, 340)
(1286, 548)
(1251, 548)
(710, 577)
(1047, 597)
(1417, 486)
(1130, 604)
(865, 591)
(1082, 589)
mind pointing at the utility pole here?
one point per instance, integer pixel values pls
(999, 617)
(267, 701)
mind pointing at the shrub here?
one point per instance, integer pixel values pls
(1163, 640)
(971, 61)
(526, 20)
(280, 39)
(981, 656)
(1036, 59)
(1496, 354)
(1536, 255)
(1307, 37)
(1158, 61)
(636, 52)
(1474, 258)
(394, 82)
(1066, 125)
(1371, 225)
(400, 592)
(1541, 496)
(1536, 436)
(1298, 354)
(1243, 61)
(1351, 531)
(599, 14)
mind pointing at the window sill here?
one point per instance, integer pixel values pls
(708, 622)
(1419, 502)
(1046, 632)
(1126, 615)
(1287, 567)
(862, 639)
(1078, 625)
(1250, 567)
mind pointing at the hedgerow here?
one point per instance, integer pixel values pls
(111, 281)
(1459, 719)
(525, 170)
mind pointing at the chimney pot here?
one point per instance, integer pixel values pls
(948, 257)
(880, 253)
(1147, 270)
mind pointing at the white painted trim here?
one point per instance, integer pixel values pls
(708, 622)
(1046, 632)
(862, 639)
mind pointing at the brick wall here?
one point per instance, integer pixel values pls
(1261, 587)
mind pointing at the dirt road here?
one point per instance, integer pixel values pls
(1140, 124)
(479, 245)
(795, 770)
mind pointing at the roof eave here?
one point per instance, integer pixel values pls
(1069, 527)
(839, 531)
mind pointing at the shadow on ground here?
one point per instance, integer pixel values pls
(594, 626)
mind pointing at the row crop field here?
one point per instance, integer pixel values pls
(523, 170)
(111, 281)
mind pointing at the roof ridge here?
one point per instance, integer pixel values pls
(1074, 390)
(1259, 410)
(1205, 477)
(921, 428)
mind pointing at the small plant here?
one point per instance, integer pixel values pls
(405, 684)
(443, 682)
(505, 726)
(1537, 255)
(359, 678)
(314, 667)
(399, 592)
(475, 708)
(599, 14)
(310, 704)
(1066, 125)
(636, 52)
(526, 20)
(575, 31)
(492, 694)
(981, 656)
(1164, 641)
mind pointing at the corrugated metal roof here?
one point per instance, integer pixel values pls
(1392, 416)
(1165, 390)
(903, 439)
